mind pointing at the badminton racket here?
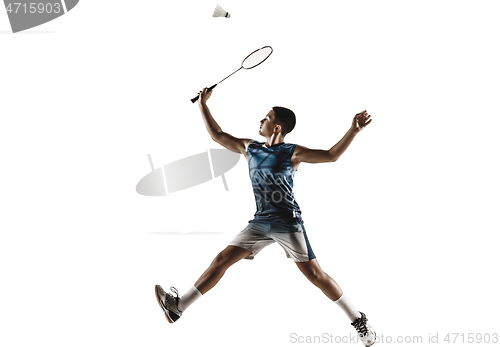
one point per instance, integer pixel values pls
(252, 60)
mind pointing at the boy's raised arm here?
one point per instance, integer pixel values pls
(306, 155)
(224, 139)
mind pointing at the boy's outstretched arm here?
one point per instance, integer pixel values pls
(306, 155)
(224, 139)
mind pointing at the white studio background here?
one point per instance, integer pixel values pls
(406, 221)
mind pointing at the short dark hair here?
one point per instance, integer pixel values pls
(285, 118)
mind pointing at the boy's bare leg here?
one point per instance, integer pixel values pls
(222, 262)
(320, 279)
(173, 306)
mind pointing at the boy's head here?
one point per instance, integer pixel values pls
(278, 116)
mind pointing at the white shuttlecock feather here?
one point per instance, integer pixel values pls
(220, 12)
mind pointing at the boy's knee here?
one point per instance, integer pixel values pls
(224, 258)
(316, 276)
(229, 256)
(220, 259)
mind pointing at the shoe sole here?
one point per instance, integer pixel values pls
(159, 303)
(375, 340)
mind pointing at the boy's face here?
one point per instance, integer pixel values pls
(267, 126)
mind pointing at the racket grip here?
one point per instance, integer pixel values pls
(193, 100)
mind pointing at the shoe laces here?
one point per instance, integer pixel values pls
(360, 325)
(175, 291)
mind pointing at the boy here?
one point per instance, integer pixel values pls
(272, 166)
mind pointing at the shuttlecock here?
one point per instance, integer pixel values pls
(220, 12)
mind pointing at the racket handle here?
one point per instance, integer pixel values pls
(193, 100)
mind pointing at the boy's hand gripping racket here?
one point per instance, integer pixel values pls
(254, 59)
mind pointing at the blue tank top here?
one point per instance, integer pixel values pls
(271, 174)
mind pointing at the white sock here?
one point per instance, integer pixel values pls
(187, 299)
(348, 307)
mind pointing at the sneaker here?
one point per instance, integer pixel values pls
(168, 303)
(365, 330)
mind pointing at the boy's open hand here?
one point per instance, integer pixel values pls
(360, 121)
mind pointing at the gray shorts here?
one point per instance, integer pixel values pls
(292, 237)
